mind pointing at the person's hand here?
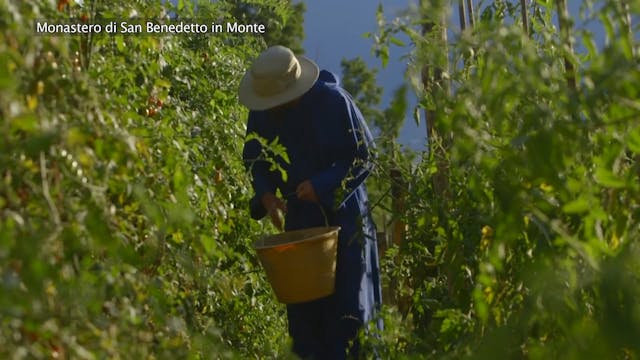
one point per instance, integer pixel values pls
(305, 191)
(275, 209)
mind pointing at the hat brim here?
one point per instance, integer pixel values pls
(308, 76)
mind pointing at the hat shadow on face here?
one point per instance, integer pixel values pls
(286, 106)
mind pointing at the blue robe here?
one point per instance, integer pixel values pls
(328, 143)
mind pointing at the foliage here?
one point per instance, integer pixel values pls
(530, 250)
(360, 81)
(283, 19)
(123, 229)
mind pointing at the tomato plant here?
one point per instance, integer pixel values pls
(120, 236)
(123, 198)
(526, 250)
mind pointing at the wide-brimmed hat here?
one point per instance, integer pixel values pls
(276, 77)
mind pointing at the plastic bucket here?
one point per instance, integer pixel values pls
(300, 264)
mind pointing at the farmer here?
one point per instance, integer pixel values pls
(327, 143)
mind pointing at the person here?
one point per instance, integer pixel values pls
(328, 146)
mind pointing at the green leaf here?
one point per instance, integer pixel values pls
(380, 15)
(384, 56)
(626, 46)
(416, 115)
(208, 243)
(179, 180)
(608, 26)
(25, 122)
(396, 41)
(96, 225)
(34, 144)
(576, 206)
(633, 142)
(5, 75)
(481, 307)
(589, 44)
(162, 83)
(177, 237)
(120, 45)
(608, 179)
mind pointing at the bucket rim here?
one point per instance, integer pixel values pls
(330, 230)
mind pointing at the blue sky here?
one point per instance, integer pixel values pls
(334, 29)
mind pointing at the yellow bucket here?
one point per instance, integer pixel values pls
(300, 264)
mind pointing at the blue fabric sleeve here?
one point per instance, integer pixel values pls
(259, 169)
(349, 152)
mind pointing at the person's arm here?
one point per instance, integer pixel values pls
(350, 151)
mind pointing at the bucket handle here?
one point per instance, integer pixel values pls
(324, 214)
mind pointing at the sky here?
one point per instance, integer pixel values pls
(334, 30)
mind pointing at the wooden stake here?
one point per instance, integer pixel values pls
(472, 19)
(431, 82)
(462, 15)
(525, 19)
(398, 204)
(565, 33)
(626, 14)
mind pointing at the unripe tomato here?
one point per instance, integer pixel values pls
(487, 231)
(218, 176)
(40, 88)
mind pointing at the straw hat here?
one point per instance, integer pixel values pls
(276, 77)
